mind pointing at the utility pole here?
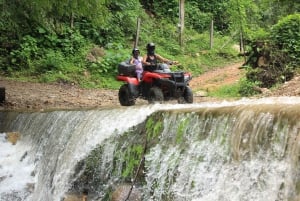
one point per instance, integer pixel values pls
(181, 21)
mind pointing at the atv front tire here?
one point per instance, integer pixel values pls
(188, 95)
(155, 95)
(125, 98)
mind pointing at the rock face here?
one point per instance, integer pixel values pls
(121, 193)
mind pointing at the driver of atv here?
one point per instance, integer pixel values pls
(152, 59)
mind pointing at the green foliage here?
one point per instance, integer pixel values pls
(153, 128)
(227, 91)
(181, 130)
(275, 54)
(42, 47)
(274, 10)
(280, 49)
(53, 61)
(55, 67)
(104, 70)
(193, 14)
(259, 34)
(198, 13)
(28, 51)
(68, 41)
(162, 9)
(217, 10)
(132, 158)
(246, 87)
(286, 36)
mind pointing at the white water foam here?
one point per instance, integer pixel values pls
(15, 173)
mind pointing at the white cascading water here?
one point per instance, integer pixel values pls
(227, 164)
(245, 156)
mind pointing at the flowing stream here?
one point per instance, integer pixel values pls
(242, 150)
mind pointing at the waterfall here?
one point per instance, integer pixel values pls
(241, 150)
(232, 153)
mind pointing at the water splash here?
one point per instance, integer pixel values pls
(15, 170)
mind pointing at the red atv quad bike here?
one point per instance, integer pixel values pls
(155, 86)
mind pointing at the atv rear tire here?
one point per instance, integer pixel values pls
(155, 95)
(125, 98)
(188, 95)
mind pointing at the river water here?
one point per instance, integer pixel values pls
(241, 150)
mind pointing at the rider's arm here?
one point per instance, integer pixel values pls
(162, 59)
(131, 60)
(144, 61)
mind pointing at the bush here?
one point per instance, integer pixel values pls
(246, 87)
(23, 56)
(286, 36)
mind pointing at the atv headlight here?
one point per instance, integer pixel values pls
(187, 77)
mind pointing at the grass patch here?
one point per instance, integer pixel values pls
(227, 91)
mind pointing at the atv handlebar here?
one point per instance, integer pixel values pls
(172, 62)
(168, 62)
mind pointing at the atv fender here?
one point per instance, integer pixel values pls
(149, 76)
(129, 80)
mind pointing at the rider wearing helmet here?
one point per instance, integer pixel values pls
(152, 59)
(136, 59)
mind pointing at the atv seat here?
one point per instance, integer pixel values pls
(150, 68)
(158, 68)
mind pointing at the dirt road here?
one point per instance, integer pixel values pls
(40, 96)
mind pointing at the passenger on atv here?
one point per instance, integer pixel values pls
(137, 60)
(155, 62)
(158, 83)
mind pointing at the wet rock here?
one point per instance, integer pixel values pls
(2, 178)
(74, 197)
(121, 193)
(77, 196)
(30, 187)
(13, 137)
(201, 93)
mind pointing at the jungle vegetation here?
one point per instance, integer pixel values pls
(83, 41)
